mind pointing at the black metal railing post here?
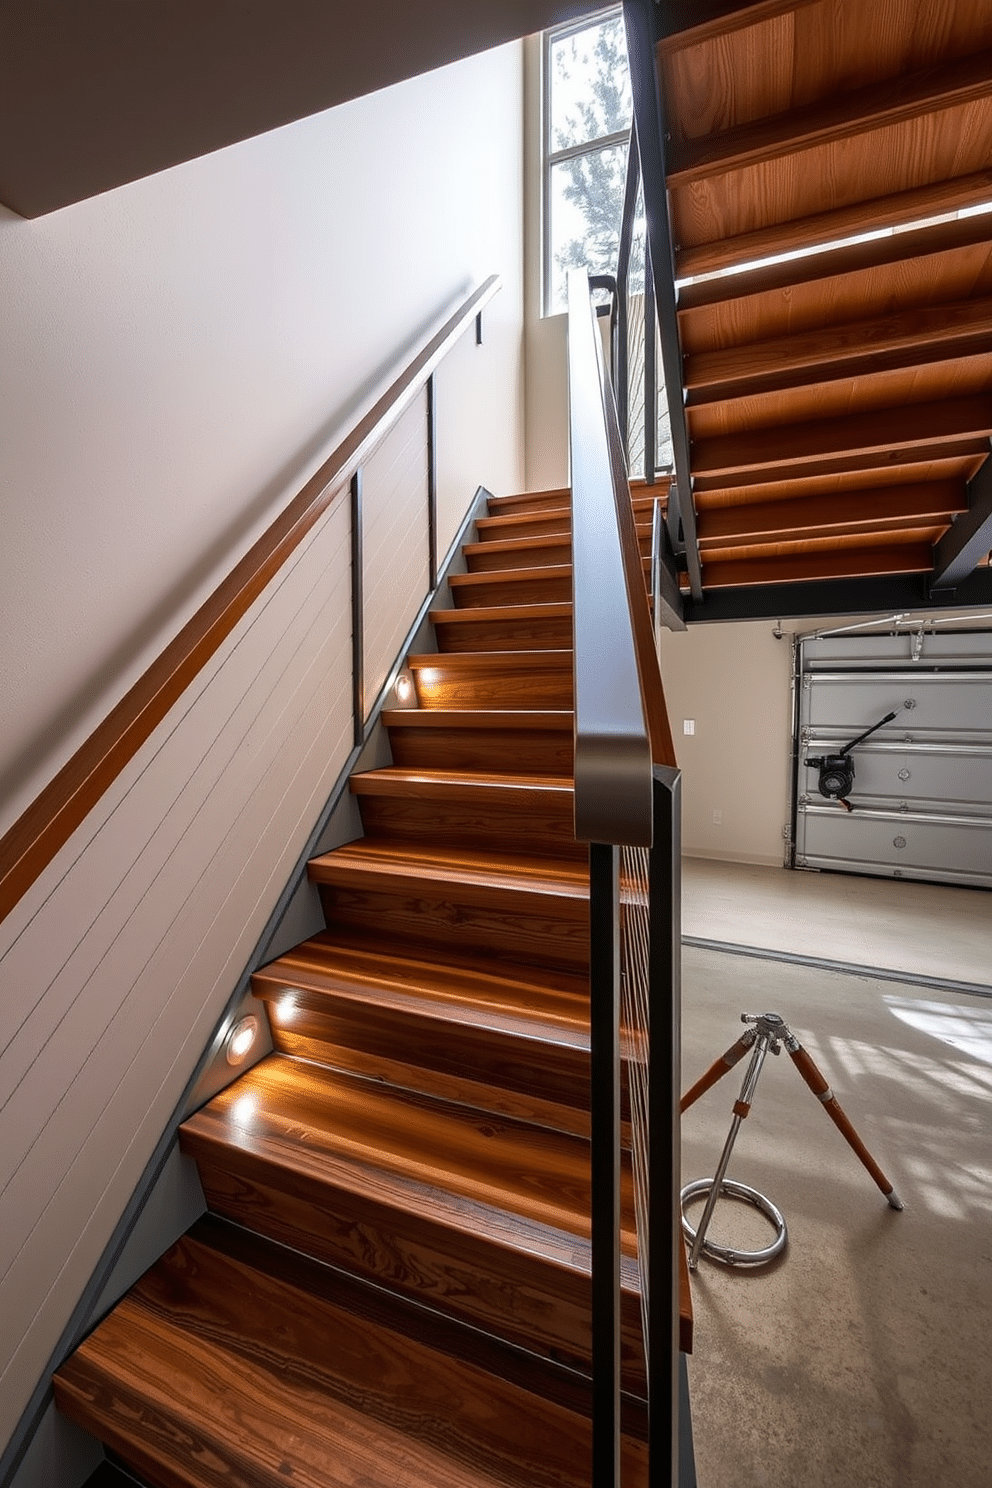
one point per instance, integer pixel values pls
(664, 1083)
(604, 991)
(357, 608)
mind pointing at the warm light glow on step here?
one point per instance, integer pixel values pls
(406, 690)
(241, 1040)
(286, 1008)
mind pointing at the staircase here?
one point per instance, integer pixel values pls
(392, 1285)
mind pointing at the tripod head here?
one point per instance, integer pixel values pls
(772, 1027)
(837, 770)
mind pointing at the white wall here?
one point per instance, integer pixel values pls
(176, 357)
(176, 354)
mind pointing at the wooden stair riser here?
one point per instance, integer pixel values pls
(528, 502)
(505, 925)
(526, 680)
(543, 826)
(498, 554)
(520, 1296)
(463, 745)
(482, 629)
(519, 586)
(516, 1044)
(556, 523)
(513, 1076)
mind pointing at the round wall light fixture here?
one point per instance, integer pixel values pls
(241, 1040)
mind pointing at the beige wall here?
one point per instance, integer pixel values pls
(733, 682)
(177, 356)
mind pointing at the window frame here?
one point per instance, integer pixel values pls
(549, 157)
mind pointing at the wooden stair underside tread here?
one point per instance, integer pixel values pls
(335, 1397)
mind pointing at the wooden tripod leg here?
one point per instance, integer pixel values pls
(804, 1064)
(720, 1067)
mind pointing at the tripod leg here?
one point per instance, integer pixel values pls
(741, 1108)
(804, 1064)
(720, 1067)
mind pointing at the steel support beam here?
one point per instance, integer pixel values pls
(863, 596)
(969, 538)
(639, 18)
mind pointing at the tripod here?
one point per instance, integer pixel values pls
(768, 1032)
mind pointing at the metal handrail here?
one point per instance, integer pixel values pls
(626, 792)
(48, 823)
(621, 725)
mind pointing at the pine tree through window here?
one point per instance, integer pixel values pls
(587, 122)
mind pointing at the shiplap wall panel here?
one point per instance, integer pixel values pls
(396, 557)
(116, 966)
(136, 844)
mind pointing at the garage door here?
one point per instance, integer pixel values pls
(920, 805)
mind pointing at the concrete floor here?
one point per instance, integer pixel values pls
(861, 1355)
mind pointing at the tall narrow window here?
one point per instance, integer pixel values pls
(587, 113)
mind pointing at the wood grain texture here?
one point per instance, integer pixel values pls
(834, 119)
(835, 563)
(530, 501)
(884, 507)
(541, 741)
(555, 523)
(846, 349)
(894, 271)
(513, 813)
(516, 908)
(529, 680)
(527, 586)
(518, 552)
(956, 422)
(485, 1217)
(506, 1044)
(821, 227)
(504, 628)
(382, 1407)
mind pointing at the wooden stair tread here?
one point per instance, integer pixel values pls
(382, 1408)
(498, 1000)
(466, 1169)
(460, 785)
(483, 870)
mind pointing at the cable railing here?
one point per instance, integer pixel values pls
(627, 806)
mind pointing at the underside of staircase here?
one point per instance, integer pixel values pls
(392, 1286)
